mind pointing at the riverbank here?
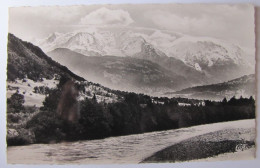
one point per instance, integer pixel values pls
(209, 147)
(130, 149)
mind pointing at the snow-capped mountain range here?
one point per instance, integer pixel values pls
(200, 60)
(193, 51)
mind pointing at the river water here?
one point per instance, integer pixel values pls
(113, 150)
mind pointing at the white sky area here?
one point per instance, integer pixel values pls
(233, 23)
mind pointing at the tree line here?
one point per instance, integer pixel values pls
(134, 113)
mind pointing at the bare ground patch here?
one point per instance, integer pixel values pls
(205, 146)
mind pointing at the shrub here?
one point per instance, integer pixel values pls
(46, 126)
(20, 137)
(15, 103)
(30, 109)
(12, 118)
(41, 90)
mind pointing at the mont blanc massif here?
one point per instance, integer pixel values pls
(154, 62)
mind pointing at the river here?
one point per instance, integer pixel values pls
(113, 150)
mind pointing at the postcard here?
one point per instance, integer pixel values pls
(131, 84)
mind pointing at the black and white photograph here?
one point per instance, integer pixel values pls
(131, 84)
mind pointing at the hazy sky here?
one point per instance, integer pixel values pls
(234, 23)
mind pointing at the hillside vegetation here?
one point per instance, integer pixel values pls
(75, 109)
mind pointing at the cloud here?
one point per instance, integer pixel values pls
(46, 15)
(105, 17)
(168, 20)
(231, 22)
(234, 23)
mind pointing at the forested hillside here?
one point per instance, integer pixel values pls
(75, 109)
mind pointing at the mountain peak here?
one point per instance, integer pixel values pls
(52, 37)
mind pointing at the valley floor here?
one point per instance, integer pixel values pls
(135, 148)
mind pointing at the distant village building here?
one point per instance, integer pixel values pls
(157, 102)
(160, 102)
(184, 104)
(202, 103)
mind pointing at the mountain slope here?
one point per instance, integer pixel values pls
(27, 60)
(243, 86)
(123, 73)
(32, 73)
